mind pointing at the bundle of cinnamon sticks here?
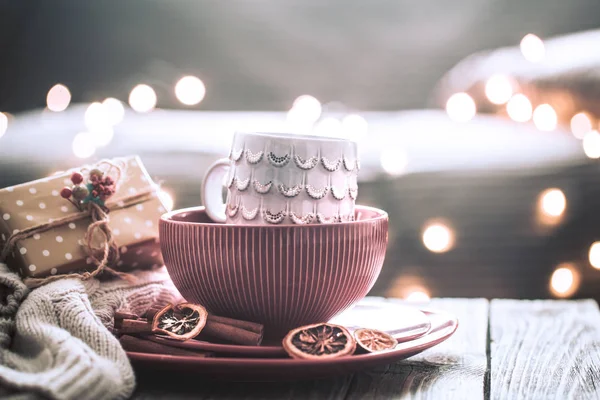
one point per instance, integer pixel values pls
(217, 329)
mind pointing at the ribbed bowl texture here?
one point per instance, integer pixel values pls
(283, 276)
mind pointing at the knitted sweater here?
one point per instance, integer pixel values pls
(55, 341)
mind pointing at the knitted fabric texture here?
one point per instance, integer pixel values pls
(55, 341)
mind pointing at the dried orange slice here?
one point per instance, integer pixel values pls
(182, 321)
(372, 340)
(319, 341)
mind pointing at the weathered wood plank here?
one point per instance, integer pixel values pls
(173, 387)
(453, 370)
(545, 349)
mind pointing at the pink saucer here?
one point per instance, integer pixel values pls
(443, 325)
(403, 322)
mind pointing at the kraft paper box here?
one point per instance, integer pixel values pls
(60, 249)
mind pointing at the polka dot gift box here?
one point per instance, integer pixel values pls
(101, 215)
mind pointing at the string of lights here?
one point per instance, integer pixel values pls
(307, 115)
(510, 99)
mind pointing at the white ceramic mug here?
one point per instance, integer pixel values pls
(276, 178)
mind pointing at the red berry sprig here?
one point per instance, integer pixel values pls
(101, 187)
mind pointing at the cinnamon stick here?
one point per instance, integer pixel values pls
(231, 334)
(135, 344)
(247, 325)
(224, 329)
(152, 311)
(125, 315)
(133, 326)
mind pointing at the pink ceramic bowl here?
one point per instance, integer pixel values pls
(283, 276)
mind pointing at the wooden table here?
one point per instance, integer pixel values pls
(503, 349)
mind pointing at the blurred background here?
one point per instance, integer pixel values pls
(476, 121)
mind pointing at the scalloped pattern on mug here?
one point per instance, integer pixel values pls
(330, 165)
(232, 210)
(338, 194)
(301, 220)
(274, 218)
(254, 158)
(353, 192)
(260, 188)
(328, 220)
(236, 155)
(307, 164)
(315, 193)
(278, 161)
(231, 180)
(242, 184)
(349, 165)
(249, 215)
(290, 191)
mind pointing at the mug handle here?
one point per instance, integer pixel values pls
(211, 190)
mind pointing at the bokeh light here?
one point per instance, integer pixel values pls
(306, 110)
(3, 124)
(438, 237)
(545, 118)
(142, 98)
(591, 144)
(564, 281)
(498, 89)
(58, 98)
(114, 110)
(594, 255)
(419, 295)
(553, 202)
(355, 126)
(83, 145)
(533, 48)
(190, 90)
(461, 107)
(393, 160)
(581, 124)
(96, 118)
(519, 108)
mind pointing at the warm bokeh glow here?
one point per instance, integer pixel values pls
(519, 108)
(553, 202)
(58, 98)
(418, 296)
(167, 199)
(114, 110)
(393, 160)
(594, 255)
(533, 48)
(438, 237)
(581, 124)
(142, 98)
(355, 126)
(461, 107)
(3, 124)
(306, 110)
(190, 90)
(591, 144)
(564, 281)
(96, 118)
(83, 145)
(545, 118)
(498, 89)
